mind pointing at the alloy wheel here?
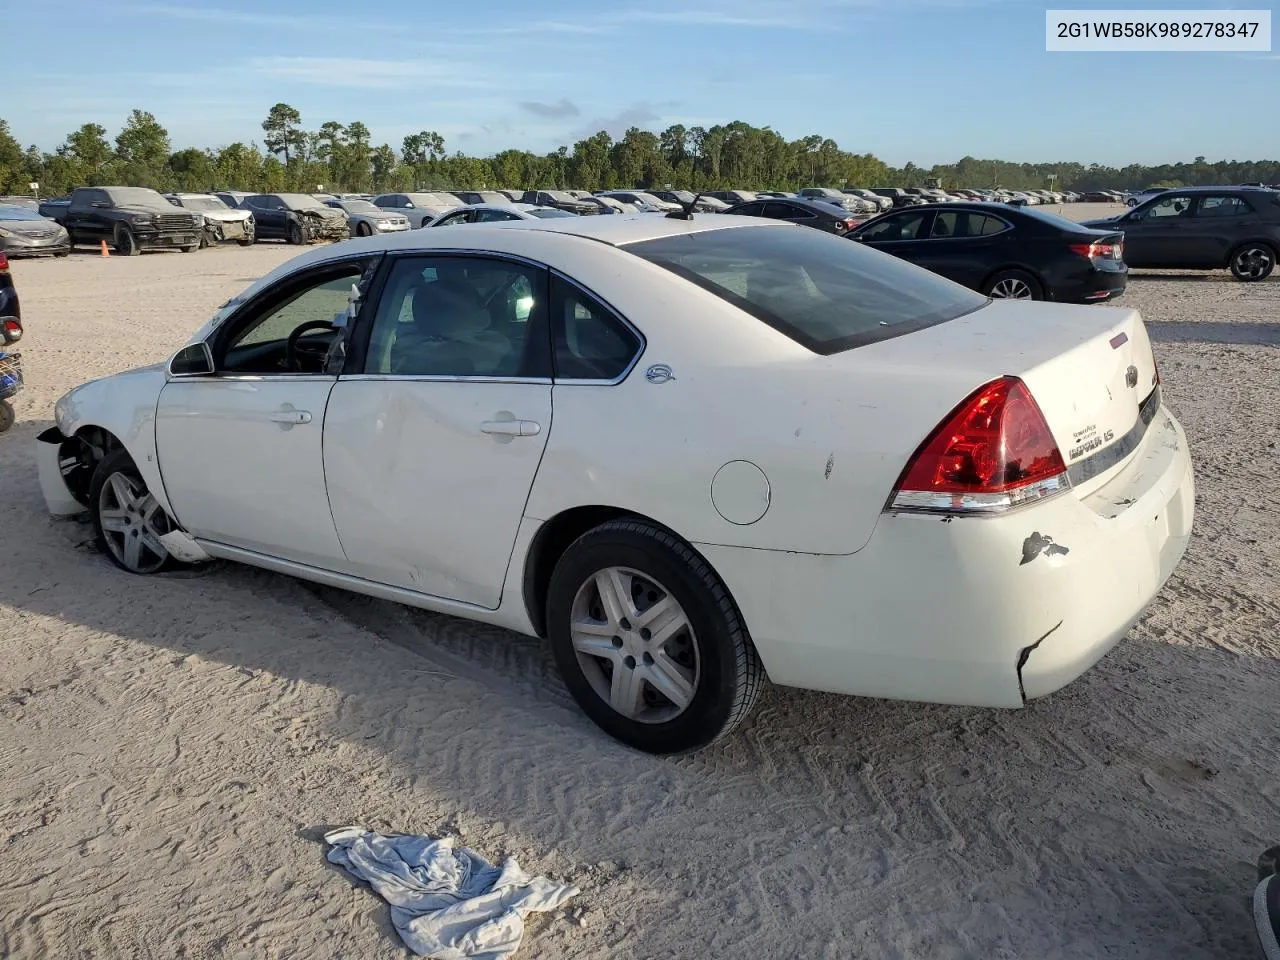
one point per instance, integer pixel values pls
(132, 524)
(1253, 263)
(1011, 288)
(635, 645)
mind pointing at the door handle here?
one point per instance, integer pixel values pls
(511, 428)
(291, 416)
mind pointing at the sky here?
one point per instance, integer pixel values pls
(927, 81)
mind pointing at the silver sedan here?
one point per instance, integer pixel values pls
(365, 219)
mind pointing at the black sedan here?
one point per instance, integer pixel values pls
(24, 233)
(295, 218)
(1005, 252)
(810, 213)
(1203, 228)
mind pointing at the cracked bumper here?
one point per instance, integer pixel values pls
(946, 611)
(49, 470)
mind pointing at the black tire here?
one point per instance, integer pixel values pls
(248, 238)
(7, 416)
(731, 674)
(63, 253)
(119, 462)
(125, 242)
(295, 234)
(1013, 280)
(193, 247)
(1251, 262)
(363, 230)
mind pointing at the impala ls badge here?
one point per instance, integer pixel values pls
(659, 373)
(1131, 377)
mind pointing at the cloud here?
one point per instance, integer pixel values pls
(637, 115)
(367, 74)
(563, 108)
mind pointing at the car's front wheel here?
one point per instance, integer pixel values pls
(1253, 262)
(125, 242)
(295, 234)
(648, 640)
(127, 518)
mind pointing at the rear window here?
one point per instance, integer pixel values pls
(825, 292)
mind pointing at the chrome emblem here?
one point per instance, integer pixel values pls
(1131, 377)
(659, 373)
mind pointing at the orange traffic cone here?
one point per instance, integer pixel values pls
(105, 251)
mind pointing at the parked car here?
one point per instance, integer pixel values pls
(364, 219)
(1203, 228)
(641, 200)
(847, 201)
(706, 203)
(10, 307)
(788, 534)
(131, 219)
(1097, 196)
(819, 214)
(234, 199)
(611, 205)
(560, 200)
(473, 197)
(31, 203)
(296, 218)
(1005, 252)
(881, 204)
(731, 197)
(419, 208)
(221, 222)
(54, 208)
(497, 213)
(899, 196)
(1142, 196)
(24, 233)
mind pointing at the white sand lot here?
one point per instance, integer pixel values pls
(172, 748)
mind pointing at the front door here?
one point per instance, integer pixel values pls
(431, 451)
(240, 450)
(904, 235)
(1156, 235)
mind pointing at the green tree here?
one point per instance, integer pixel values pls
(383, 163)
(193, 170)
(87, 155)
(142, 149)
(13, 167)
(284, 133)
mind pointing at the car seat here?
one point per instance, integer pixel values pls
(450, 336)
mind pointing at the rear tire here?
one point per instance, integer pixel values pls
(1013, 285)
(689, 681)
(1251, 262)
(125, 242)
(127, 520)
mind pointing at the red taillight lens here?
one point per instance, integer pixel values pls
(994, 451)
(4, 262)
(1099, 251)
(12, 331)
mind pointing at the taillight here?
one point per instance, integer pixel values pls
(1099, 251)
(4, 262)
(993, 452)
(12, 331)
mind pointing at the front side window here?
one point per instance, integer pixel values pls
(591, 342)
(902, 226)
(461, 317)
(291, 333)
(462, 216)
(819, 289)
(492, 216)
(1168, 207)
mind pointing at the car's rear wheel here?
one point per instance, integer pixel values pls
(125, 242)
(127, 518)
(1013, 285)
(648, 640)
(1252, 262)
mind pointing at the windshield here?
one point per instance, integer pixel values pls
(550, 214)
(202, 203)
(13, 212)
(560, 196)
(825, 292)
(359, 206)
(301, 201)
(432, 200)
(138, 197)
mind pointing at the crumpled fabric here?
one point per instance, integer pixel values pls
(446, 903)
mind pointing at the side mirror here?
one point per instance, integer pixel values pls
(193, 360)
(410, 206)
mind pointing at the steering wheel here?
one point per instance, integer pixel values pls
(295, 351)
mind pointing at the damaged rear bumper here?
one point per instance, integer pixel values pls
(983, 611)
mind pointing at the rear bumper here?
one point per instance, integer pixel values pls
(1089, 285)
(988, 611)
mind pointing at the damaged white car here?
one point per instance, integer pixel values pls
(220, 221)
(692, 453)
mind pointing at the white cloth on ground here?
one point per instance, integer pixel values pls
(446, 903)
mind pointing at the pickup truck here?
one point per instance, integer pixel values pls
(131, 219)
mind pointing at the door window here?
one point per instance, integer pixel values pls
(786, 211)
(750, 210)
(1168, 207)
(462, 216)
(904, 226)
(492, 216)
(1223, 206)
(591, 342)
(259, 341)
(461, 317)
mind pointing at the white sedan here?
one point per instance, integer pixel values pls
(496, 213)
(693, 453)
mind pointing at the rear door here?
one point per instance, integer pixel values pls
(963, 246)
(431, 450)
(1219, 222)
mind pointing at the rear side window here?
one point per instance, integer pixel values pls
(591, 343)
(825, 292)
(1227, 206)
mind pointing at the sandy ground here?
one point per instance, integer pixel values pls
(174, 747)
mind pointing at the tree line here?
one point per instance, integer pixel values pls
(342, 157)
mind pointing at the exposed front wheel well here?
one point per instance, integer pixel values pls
(89, 446)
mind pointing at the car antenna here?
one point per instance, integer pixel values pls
(686, 210)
